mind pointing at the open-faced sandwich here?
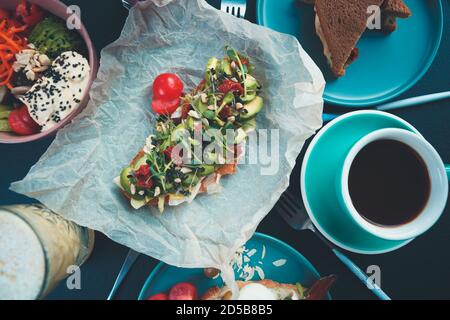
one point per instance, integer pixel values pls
(340, 24)
(271, 290)
(199, 136)
(251, 290)
(43, 71)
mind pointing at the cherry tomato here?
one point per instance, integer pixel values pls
(29, 14)
(21, 123)
(167, 86)
(161, 106)
(183, 291)
(159, 296)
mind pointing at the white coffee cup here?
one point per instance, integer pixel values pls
(438, 181)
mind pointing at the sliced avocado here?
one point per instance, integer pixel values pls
(252, 108)
(228, 98)
(226, 67)
(139, 162)
(249, 96)
(212, 63)
(251, 83)
(125, 180)
(203, 109)
(126, 184)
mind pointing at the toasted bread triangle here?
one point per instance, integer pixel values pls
(397, 8)
(342, 23)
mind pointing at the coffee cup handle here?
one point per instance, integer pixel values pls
(447, 169)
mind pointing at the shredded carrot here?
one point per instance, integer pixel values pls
(10, 44)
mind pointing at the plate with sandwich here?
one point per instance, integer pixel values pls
(265, 269)
(370, 51)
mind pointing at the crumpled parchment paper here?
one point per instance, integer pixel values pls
(75, 176)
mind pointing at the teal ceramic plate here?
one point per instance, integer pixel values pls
(296, 268)
(388, 65)
(319, 178)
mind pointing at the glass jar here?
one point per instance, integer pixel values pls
(38, 248)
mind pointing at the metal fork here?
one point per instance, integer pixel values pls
(294, 213)
(236, 8)
(126, 266)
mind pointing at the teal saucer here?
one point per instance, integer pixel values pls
(387, 66)
(319, 179)
(296, 268)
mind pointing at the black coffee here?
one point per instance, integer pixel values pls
(389, 183)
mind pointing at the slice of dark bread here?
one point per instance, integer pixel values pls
(388, 22)
(391, 9)
(397, 8)
(343, 22)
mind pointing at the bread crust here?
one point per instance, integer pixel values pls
(397, 8)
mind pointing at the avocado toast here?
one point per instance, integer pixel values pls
(200, 141)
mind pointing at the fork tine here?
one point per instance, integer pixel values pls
(286, 209)
(223, 6)
(243, 9)
(236, 8)
(293, 211)
(292, 198)
(289, 215)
